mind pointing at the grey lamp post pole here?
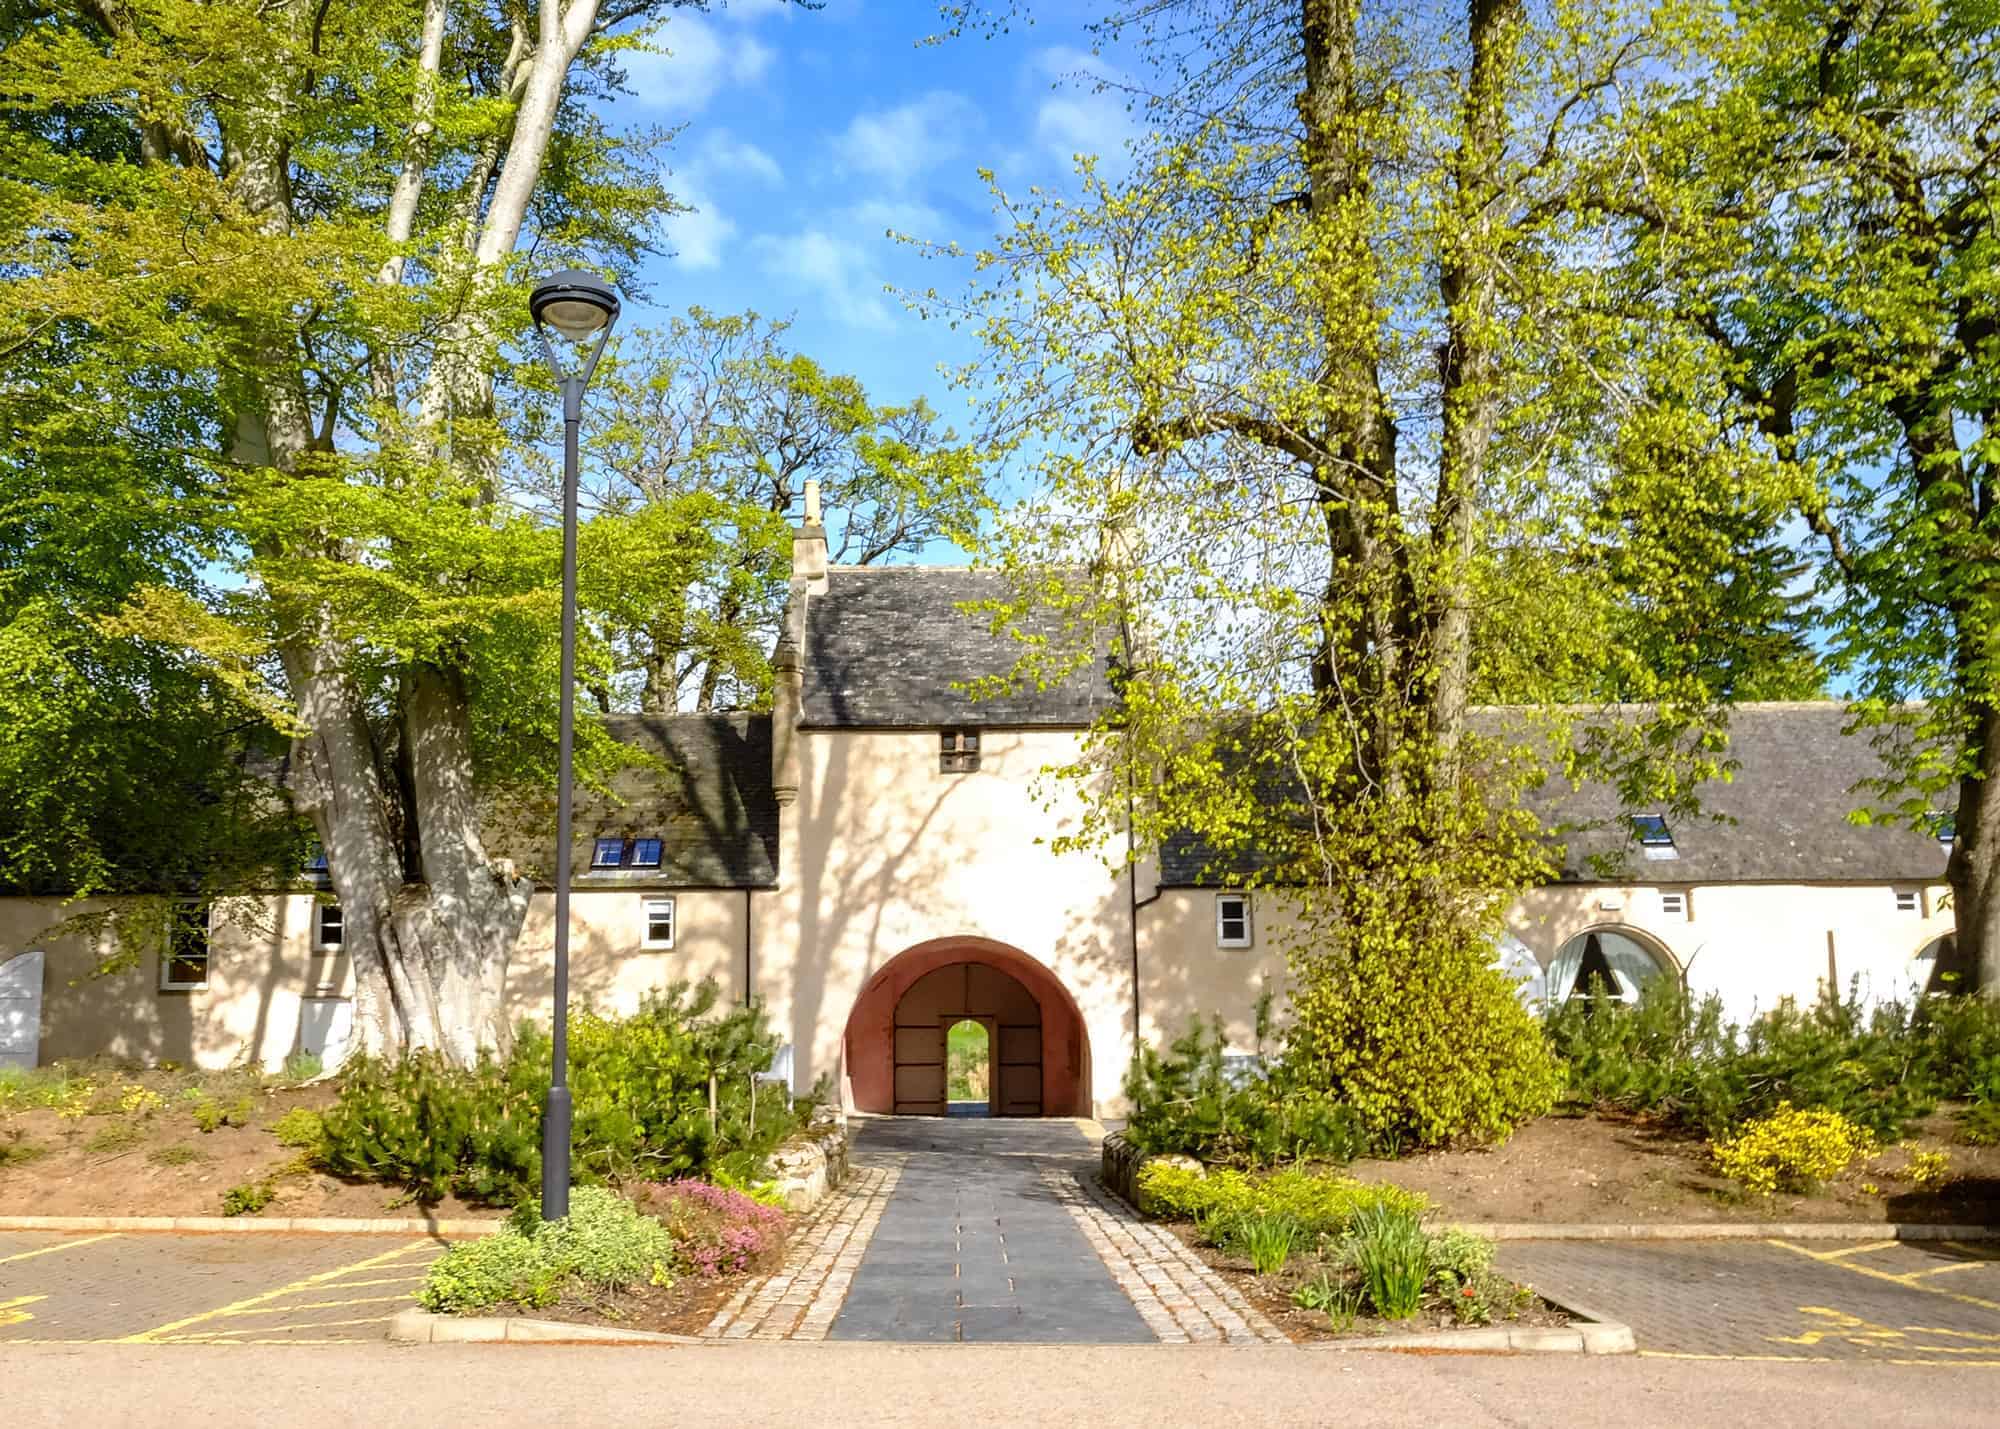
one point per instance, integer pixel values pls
(578, 306)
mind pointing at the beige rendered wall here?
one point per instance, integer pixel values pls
(882, 852)
(1183, 974)
(261, 967)
(1754, 943)
(610, 969)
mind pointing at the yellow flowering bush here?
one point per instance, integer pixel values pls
(1317, 1202)
(1791, 1149)
(1928, 1170)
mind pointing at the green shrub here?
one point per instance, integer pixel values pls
(248, 1198)
(176, 1155)
(304, 1129)
(1318, 1203)
(639, 1087)
(303, 1067)
(1979, 1124)
(1187, 1102)
(210, 1114)
(17, 1150)
(1676, 1057)
(1461, 1254)
(603, 1244)
(1791, 1150)
(1390, 1249)
(1409, 1025)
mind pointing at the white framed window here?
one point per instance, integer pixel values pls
(1674, 903)
(645, 853)
(657, 915)
(1908, 901)
(607, 853)
(328, 927)
(1232, 920)
(184, 958)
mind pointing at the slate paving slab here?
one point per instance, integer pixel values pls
(973, 1247)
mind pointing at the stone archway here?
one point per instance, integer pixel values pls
(896, 1032)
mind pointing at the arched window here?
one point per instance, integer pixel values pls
(1937, 968)
(1621, 962)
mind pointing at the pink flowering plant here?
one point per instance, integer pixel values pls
(718, 1231)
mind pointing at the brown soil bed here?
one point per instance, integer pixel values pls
(1602, 1169)
(683, 1308)
(167, 1166)
(1272, 1294)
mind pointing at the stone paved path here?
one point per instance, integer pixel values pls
(956, 1230)
(976, 1244)
(1902, 1302)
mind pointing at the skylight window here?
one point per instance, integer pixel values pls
(316, 858)
(645, 853)
(1944, 824)
(1652, 831)
(608, 853)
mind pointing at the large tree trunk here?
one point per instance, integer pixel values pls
(1974, 868)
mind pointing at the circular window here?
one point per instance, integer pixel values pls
(1620, 962)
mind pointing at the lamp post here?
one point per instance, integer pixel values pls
(578, 306)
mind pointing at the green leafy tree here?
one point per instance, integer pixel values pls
(1326, 396)
(294, 233)
(1812, 228)
(719, 409)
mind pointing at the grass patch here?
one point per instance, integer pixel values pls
(177, 1155)
(17, 1150)
(115, 1137)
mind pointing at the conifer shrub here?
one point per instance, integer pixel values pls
(667, 1092)
(1186, 1101)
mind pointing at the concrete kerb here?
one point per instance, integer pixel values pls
(421, 1327)
(1591, 1334)
(1729, 1230)
(247, 1225)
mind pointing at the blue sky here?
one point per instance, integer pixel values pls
(808, 133)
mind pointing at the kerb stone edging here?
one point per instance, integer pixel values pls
(421, 1327)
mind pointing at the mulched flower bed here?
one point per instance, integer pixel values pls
(724, 1238)
(1272, 1294)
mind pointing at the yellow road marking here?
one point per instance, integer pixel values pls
(381, 1280)
(326, 1305)
(52, 1249)
(273, 1329)
(1948, 1269)
(145, 1336)
(1912, 1280)
(1833, 1255)
(11, 1312)
(1761, 1359)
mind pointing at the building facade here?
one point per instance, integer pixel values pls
(874, 860)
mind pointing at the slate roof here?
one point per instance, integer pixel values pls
(1782, 818)
(890, 647)
(709, 801)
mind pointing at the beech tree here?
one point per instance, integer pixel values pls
(1813, 233)
(306, 224)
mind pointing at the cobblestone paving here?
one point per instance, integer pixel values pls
(1176, 1293)
(799, 1300)
(1900, 1302)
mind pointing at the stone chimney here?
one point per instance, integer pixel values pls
(809, 546)
(785, 688)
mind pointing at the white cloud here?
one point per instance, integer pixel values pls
(837, 271)
(722, 155)
(899, 144)
(879, 216)
(1082, 116)
(699, 234)
(690, 60)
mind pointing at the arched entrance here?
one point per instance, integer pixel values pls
(896, 1035)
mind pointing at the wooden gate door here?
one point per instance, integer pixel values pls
(945, 996)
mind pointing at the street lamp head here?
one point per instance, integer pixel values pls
(575, 303)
